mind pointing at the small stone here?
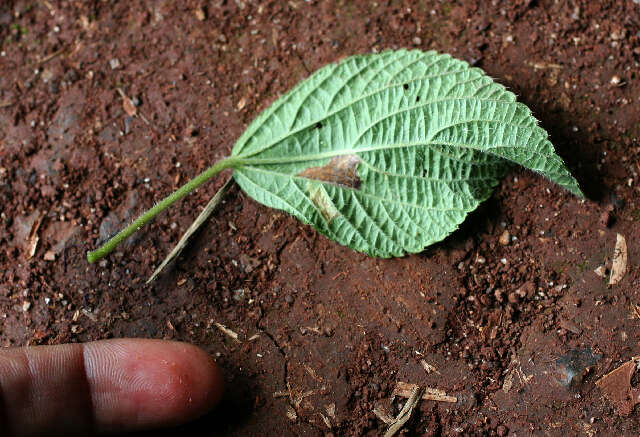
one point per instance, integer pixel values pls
(239, 295)
(528, 289)
(248, 263)
(417, 40)
(288, 299)
(615, 80)
(514, 297)
(50, 255)
(505, 238)
(26, 305)
(201, 15)
(114, 63)
(606, 218)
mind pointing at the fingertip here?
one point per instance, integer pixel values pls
(150, 383)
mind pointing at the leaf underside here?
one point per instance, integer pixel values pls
(387, 153)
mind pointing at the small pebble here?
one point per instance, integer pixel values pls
(606, 218)
(239, 294)
(114, 63)
(201, 15)
(505, 238)
(288, 299)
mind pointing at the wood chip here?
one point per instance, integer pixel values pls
(405, 413)
(544, 65)
(428, 367)
(619, 264)
(32, 240)
(228, 332)
(404, 390)
(241, 103)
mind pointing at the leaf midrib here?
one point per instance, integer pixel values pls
(244, 161)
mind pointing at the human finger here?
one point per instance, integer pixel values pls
(105, 386)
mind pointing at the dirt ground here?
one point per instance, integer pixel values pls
(513, 315)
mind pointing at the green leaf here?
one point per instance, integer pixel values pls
(387, 153)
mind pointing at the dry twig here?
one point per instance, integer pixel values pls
(405, 389)
(406, 411)
(204, 215)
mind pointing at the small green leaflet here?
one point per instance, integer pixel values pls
(385, 153)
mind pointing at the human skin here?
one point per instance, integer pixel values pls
(107, 386)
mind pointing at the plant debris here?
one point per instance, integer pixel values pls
(34, 237)
(619, 263)
(428, 367)
(616, 386)
(405, 413)
(404, 390)
(197, 223)
(231, 334)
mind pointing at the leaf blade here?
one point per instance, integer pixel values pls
(428, 138)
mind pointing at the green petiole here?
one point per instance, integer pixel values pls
(145, 218)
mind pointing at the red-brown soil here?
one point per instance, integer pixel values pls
(519, 333)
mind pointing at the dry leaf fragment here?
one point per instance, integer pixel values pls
(382, 414)
(601, 271)
(616, 386)
(619, 264)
